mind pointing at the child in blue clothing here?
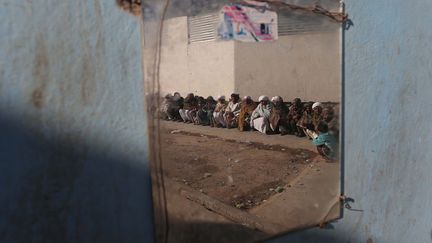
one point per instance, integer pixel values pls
(325, 142)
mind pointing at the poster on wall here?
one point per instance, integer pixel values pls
(247, 24)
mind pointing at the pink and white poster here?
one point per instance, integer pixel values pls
(247, 24)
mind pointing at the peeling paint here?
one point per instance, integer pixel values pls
(40, 73)
(73, 155)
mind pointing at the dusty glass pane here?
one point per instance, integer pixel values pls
(244, 112)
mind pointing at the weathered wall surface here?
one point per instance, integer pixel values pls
(73, 153)
(302, 65)
(71, 190)
(388, 135)
(205, 68)
(212, 68)
(174, 73)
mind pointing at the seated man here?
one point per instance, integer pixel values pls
(205, 112)
(305, 122)
(332, 121)
(316, 113)
(218, 119)
(310, 128)
(246, 109)
(178, 99)
(294, 114)
(169, 108)
(177, 104)
(163, 109)
(261, 115)
(189, 108)
(232, 111)
(325, 143)
(200, 104)
(279, 116)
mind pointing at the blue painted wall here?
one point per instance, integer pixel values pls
(73, 155)
(388, 129)
(73, 165)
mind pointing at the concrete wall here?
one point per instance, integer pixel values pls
(73, 153)
(205, 68)
(105, 198)
(301, 65)
(388, 135)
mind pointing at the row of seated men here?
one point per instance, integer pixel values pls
(268, 116)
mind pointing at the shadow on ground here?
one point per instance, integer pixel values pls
(182, 232)
(65, 189)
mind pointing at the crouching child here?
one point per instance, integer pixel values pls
(325, 142)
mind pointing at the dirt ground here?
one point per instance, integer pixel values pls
(242, 174)
(257, 185)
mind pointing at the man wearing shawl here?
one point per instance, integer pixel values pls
(332, 121)
(294, 115)
(218, 119)
(316, 114)
(205, 113)
(163, 110)
(305, 122)
(261, 115)
(310, 129)
(201, 102)
(232, 111)
(279, 115)
(189, 108)
(178, 99)
(247, 107)
(169, 108)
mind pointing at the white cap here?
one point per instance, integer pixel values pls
(221, 97)
(316, 104)
(276, 98)
(263, 97)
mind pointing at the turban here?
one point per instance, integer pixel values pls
(316, 104)
(263, 97)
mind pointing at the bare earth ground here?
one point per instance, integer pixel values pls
(280, 181)
(241, 174)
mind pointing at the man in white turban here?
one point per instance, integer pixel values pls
(312, 116)
(316, 113)
(316, 104)
(279, 116)
(232, 111)
(261, 115)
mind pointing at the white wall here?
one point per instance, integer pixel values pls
(73, 153)
(302, 65)
(388, 132)
(205, 68)
(387, 147)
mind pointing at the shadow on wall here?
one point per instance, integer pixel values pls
(314, 235)
(184, 232)
(60, 190)
(208, 232)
